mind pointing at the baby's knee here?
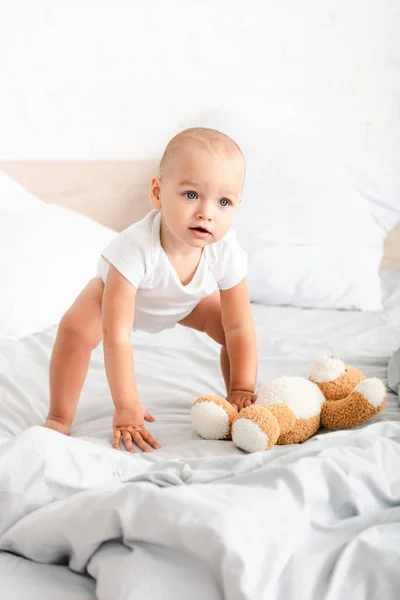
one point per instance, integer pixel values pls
(80, 331)
(70, 326)
(83, 320)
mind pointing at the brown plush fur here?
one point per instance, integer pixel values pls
(342, 386)
(264, 419)
(286, 417)
(303, 429)
(348, 412)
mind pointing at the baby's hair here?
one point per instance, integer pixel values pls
(210, 139)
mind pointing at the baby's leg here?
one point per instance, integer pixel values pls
(206, 316)
(79, 332)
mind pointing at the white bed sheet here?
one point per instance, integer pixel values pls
(173, 368)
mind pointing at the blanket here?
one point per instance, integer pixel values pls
(311, 521)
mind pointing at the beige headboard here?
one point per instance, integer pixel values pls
(115, 193)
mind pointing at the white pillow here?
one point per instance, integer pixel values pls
(48, 254)
(14, 195)
(312, 225)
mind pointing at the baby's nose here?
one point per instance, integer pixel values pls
(204, 212)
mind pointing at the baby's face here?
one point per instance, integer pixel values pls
(199, 194)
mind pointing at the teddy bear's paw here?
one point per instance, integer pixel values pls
(334, 378)
(374, 392)
(212, 417)
(255, 429)
(367, 399)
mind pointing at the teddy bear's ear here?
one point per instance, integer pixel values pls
(335, 379)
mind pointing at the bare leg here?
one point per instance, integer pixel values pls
(206, 316)
(80, 331)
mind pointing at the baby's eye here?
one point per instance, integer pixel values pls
(224, 202)
(190, 195)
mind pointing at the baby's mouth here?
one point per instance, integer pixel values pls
(201, 229)
(200, 232)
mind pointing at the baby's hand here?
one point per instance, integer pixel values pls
(129, 424)
(241, 398)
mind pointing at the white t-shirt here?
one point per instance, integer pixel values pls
(161, 299)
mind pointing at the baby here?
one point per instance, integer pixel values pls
(181, 264)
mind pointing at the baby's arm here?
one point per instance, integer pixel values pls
(237, 321)
(118, 313)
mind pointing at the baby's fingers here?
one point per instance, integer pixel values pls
(148, 417)
(117, 437)
(137, 437)
(128, 441)
(149, 439)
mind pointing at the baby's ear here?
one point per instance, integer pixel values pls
(155, 192)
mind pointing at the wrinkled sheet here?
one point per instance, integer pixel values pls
(197, 518)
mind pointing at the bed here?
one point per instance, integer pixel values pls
(197, 519)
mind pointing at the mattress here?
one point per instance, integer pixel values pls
(79, 519)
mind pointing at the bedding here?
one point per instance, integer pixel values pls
(198, 518)
(321, 218)
(49, 254)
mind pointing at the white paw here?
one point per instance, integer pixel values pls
(248, 436)
(373, 390)
(210, 421)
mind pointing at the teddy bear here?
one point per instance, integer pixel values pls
(289, 410)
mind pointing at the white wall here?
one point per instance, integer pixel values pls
(113, 78)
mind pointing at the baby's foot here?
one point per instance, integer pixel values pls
(57, 426)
